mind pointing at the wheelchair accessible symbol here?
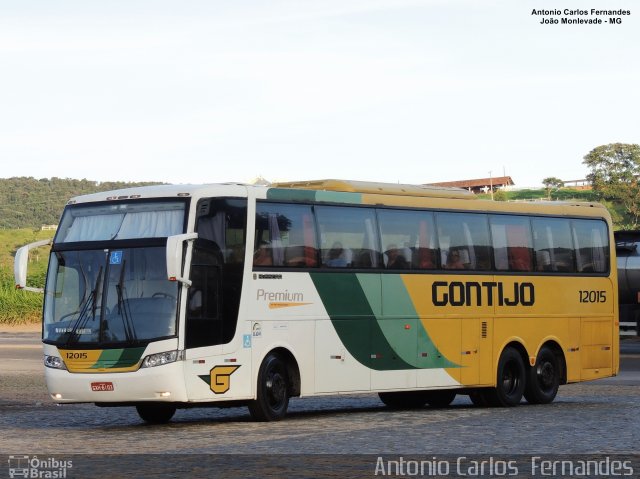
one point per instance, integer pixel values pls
(115, 257)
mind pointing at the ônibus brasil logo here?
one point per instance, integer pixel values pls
(33, 467)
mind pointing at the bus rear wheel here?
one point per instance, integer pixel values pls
(404, 399)
(156, 412)
(544, 378)
(511, 379)
(272, 398)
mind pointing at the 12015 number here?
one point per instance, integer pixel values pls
(76, 355)
(587, 296)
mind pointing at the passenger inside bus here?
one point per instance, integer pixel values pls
(338, 256)
(454, 261)
(395, 258)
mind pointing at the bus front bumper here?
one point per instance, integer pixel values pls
(160, 383)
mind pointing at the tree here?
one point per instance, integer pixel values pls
(550, 183)
(615, 172)
(500, 195)
(31, 203)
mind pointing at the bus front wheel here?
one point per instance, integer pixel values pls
(156, 413)
(272, 398)
(544, 378)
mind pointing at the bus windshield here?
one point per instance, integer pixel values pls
(121, 221)
(105, 296)
(107, 280)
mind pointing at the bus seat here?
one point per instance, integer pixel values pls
(300, 256)
(543, 259)
(519, 259)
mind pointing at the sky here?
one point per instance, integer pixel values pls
(408, 91)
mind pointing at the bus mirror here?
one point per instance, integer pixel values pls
(21, 263)
(175, 245)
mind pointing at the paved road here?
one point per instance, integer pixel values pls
(598, 417)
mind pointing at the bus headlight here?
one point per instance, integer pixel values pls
(54, 362)
(161, 358)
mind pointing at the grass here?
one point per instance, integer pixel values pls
(21, 307)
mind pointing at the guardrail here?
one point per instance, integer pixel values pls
(628, 328)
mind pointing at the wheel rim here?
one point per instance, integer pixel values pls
(510, 378)
(276, 390)
(546, 373)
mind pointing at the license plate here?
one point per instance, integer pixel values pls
(102, 386)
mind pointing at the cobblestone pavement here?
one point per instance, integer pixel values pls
(599, 417)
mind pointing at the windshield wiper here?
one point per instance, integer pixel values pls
(89, 303)
(124, 309)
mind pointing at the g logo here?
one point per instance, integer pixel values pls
(220, 377)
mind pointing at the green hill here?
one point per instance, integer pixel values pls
(31, 203)
(25, 205)
(619, 216)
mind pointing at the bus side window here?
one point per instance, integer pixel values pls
(222, 220)
(591, 245)
(553, 245)
(512, 243)
(348, 237)
(285, 236)
(408, 238)
(464, 241)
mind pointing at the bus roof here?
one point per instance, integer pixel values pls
(424, 196)
(369, 187)
(353, 192)
(164, 191)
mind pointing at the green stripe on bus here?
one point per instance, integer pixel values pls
(287, 194)
(400, 313)
(118, 358)
(349, 311)
(352, 315)
(388, 338)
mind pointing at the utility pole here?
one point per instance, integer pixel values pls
(491, 185)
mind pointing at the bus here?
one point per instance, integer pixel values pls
(167, 297)
(628, 281)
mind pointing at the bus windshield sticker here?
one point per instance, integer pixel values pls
(115, 257)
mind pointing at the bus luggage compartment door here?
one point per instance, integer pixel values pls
(596, 349)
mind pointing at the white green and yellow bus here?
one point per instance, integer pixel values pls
(169, 297)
